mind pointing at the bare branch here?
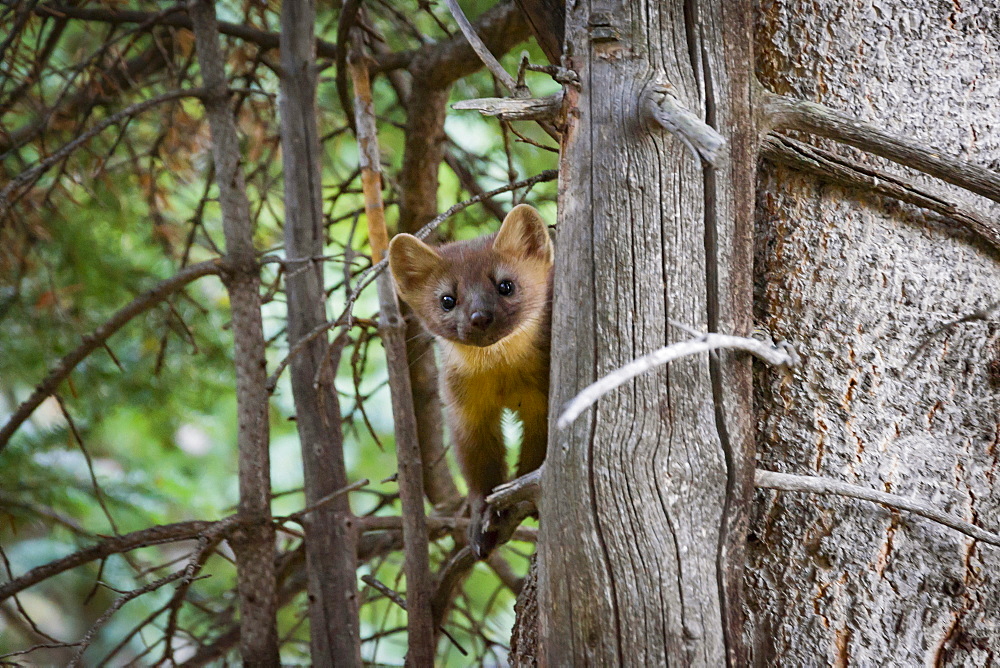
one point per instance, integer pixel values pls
(168, 533)
(515, 109)
(34, 172)
(526, 488)
(786, 113)
(96, 340)
(484, 54)
(816, 485)
(420, 629)
(589, 395)
(798, 155)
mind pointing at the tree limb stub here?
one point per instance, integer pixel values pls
(97, 339)
(515, 109)
(661, 105)
(783, 112)
(798, 155)
(770, 353)
(816, 485)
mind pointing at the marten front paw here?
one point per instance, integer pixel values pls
(484, 531)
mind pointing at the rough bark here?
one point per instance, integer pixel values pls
(637, 555)
(253, 543)
(330, 562)
(858, 283)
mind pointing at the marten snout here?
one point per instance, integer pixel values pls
(481, 319)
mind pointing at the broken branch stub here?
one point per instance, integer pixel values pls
(515, 109)
(661, 105)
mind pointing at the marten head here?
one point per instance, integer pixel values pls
(477, 292)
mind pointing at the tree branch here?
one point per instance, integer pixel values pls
(97, 339)
(488, 59)
(420, 628)
(799, 483)
(783, 112)
(798, 155)
(589, 395)
(515, 109)
(34, 172)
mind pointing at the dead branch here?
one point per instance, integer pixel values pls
(37, 170)
(515, 109)
(492, 64)
(420, 628)
(778, 356)
(785, 113)
(526, 488)
(168, 533)
(798, 155)
(816, 485)
(97, 339)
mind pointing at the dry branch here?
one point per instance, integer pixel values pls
(492, 64)
(420, 628)
(99, 337)
(783, 112)
(515, 109)
(816, 485)
(798, 155)
(704, 343)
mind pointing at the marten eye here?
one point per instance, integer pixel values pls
(505, 288)
(447, 302)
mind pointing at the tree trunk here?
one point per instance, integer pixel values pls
(253, 543)
(640, 533)
(858, 283)
(330, 550)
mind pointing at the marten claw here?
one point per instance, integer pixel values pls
(484, 532)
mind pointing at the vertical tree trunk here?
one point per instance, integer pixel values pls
(857, 283)
(254, 542)
(330, 551)
(640, 529)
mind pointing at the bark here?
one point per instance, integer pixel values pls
(253, 543)
(330, 562)
(859, 283)
(639, 547)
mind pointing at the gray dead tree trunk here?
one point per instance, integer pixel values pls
(330, 550)
(639, 548)
(859, 283)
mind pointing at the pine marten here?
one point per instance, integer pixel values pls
(488, 303)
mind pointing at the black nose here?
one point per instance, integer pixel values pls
(481, 319)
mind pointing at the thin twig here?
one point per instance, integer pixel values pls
(704, 343)
(799, 483)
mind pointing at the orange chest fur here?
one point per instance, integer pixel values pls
(512, 374)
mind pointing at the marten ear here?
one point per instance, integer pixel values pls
(412, 263)
(524, 235)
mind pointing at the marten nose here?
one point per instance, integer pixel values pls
(481, 319)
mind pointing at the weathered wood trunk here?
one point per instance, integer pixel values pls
(330, 544)
(858, 283)
(635, 552)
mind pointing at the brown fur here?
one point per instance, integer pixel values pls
(505, 365)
